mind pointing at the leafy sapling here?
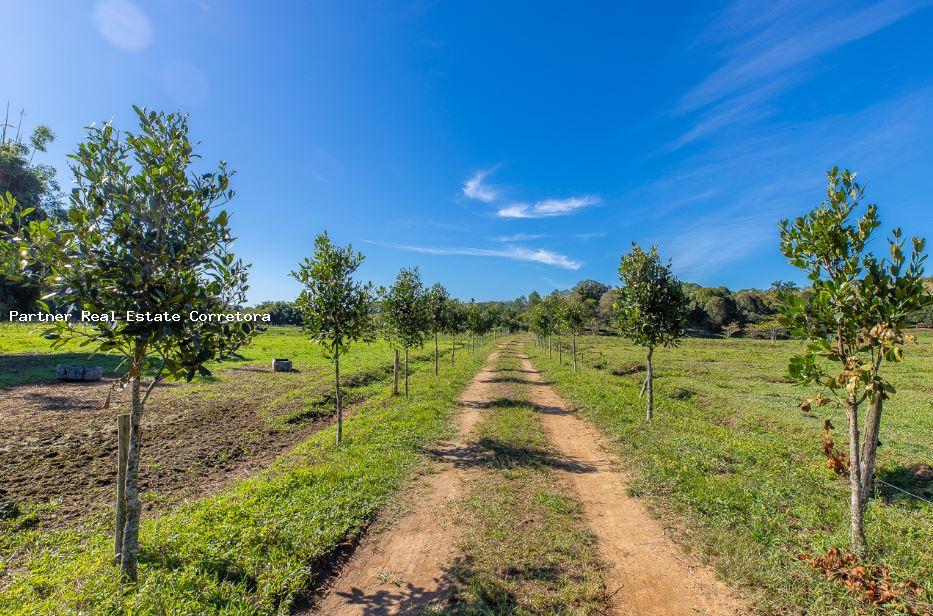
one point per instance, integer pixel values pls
(145, 234)
(652, 307)
(439, 311)
(853, 317)
(336, 309)
(406, 313)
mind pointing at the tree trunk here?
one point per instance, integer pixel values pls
(435, 353)
(870, 446)
(560, 352)
(395, 374)
(574, 352)
(130, 556)
(856, 502)
(453, 350)
(123, 445)
(549, 347)
(339, 410)
(649, 381)
(406, 371)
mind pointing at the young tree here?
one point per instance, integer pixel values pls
(474, 322)
(575, 316)
(336, 309)
(144, 234)
(586, 294)
(852, 316)
(406, 313)
(652, 306)
(439, 311)
(557, 306)
(541, 322)
(456, 324)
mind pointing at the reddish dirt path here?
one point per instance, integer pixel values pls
(400, 568)
(648, 574)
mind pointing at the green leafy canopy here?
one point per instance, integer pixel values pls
(652, 304)
(144, 233)
(337, 310)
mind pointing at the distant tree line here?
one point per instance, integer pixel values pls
(752, 313)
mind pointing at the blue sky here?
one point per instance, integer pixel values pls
(506, 147)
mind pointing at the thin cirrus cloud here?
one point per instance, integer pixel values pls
(547, 208)
(519, 237)
(514, 253)
(789, 35)
(769, 49)
(123, 24)
(475, 187)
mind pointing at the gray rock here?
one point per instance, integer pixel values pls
(282, 365)
(79, 373)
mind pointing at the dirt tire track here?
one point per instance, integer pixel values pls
(401, 568)
(648, 574)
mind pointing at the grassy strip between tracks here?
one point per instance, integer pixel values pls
(254, 548)
(527, 550)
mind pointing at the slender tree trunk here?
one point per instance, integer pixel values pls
(870, 446)
(129, 558)
(395, 374)
(560, 352)
(650, 382)
(435, 353)
(574, 352)
(123, 445)
(549, 347)
(856, 501)
(453, 350)
(339, 410)
(406, 371)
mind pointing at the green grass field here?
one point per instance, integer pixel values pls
(732, 460)
(26, 357)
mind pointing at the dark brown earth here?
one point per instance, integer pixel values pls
(57, 445)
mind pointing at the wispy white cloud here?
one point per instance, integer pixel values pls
(784, 37)
(738, 110)
(547, 208)
(475, 187)
(590, 236)
(721, 204)
(515, 253)
(519, 237)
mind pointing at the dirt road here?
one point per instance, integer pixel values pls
(400, 569)
(648, 573)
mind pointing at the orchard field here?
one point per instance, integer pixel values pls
(248, 502)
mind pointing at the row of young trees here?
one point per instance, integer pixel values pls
(337, 310)
(854, 316)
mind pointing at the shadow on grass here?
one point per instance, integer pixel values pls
(905, 481)
(514, 380)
